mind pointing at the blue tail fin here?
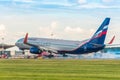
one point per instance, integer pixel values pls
(100, 34)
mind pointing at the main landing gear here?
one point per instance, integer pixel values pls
(23, 52)
(50, 55)
(64, 55)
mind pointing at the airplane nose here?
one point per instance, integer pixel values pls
(16, 44)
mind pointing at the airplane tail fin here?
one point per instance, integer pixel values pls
(100, 34)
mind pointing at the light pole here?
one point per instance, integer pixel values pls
(2, 45)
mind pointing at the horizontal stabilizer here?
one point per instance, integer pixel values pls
(112, 40)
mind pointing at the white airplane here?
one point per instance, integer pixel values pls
(39, 45)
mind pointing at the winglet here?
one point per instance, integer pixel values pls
(26, 38)
(112, 40)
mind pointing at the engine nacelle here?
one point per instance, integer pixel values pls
(35, 50)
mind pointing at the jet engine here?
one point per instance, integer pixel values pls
(35, 50)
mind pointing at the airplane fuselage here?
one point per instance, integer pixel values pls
(61, 46)
(57, 44)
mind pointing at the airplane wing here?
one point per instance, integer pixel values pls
(39, 47)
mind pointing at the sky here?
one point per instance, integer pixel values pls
(59, 19)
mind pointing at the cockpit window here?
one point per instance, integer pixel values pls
(20, 40)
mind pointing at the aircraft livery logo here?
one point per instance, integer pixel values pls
(101, 32)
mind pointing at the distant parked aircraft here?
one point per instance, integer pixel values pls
(5, 46)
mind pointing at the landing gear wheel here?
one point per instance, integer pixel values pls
(64, 55)
(50, 56)
(23, 52)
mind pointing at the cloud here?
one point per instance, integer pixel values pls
(82, 1)
(52, 6)
(46, 32)
(107, 1)
(73, 30)
(50, 30)
(97, 5)
(92, 5)
(24, 1)
(77, 33)
(9, 37)
(20, 34)
(2, 27)
(61, 3)
(53, 30)
(92, 30)
(54, 25)
(22, 4)
(2, 30)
